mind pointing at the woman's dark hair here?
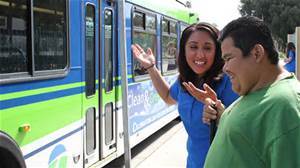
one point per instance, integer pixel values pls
(186, 74)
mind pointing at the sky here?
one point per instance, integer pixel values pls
(219, 12)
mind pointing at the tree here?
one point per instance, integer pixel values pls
(282, 16)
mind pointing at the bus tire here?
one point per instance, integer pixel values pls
(10, 153)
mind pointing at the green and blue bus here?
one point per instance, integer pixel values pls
(60, 77)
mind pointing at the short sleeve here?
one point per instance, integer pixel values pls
(285, 151)
(174, 90)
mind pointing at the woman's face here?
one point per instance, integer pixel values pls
(200, 52)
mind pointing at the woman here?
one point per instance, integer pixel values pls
(290, 60)
(200, 64)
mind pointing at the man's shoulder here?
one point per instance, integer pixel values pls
(287, 86)
(285, 100)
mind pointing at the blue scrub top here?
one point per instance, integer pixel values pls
(291, 65)
(190, 111)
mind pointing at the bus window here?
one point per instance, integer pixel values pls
(165, 25)
(169, 46)
(90, 130)
(138, 20)
(108, 53)
(173, 28)
(13, 37)
(145, 37)
(182, 27)
(49, 39)
(150, 23)
(90, 51)
(33, 52)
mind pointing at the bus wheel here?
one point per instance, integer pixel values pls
(10, 154)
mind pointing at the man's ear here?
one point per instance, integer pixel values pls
(258, 52)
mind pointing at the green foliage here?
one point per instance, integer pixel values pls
(282, 55)
(282, 16)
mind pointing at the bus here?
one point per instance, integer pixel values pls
(60, 78)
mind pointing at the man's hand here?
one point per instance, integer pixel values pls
(212, 110)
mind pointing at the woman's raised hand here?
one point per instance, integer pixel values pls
(199, 94)
(213, 108)
(145, 59)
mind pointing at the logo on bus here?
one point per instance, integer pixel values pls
(58, 157)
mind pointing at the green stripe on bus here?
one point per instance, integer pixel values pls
(43, 117)
(49, 116)
(117, 78)
(40, 91)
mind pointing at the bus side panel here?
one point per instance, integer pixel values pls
(147, 112)
(51, 108)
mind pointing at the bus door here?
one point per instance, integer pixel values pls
(90, 73)
(108, 51)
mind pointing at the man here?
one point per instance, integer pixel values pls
(262, 127)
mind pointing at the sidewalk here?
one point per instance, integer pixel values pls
(168, 151)
(164, 149)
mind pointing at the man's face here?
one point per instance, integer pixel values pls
(240, 69)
